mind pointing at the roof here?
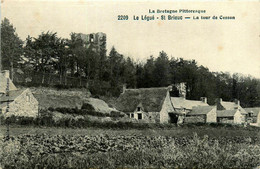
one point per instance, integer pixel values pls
(254, 110)
(180, 102)
(12, 95)
(226, 113)
(233, 106)
(200, 110)
(151, 99)
(3, 84)
(229, 105)
(58, 101)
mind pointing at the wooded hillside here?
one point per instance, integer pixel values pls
(106, 72)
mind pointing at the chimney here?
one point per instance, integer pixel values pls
(182, 89)
(169, 88)
(218, 100)
(124, 88)
(6, 73)
(204, 99)
(237, 102)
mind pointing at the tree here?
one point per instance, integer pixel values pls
(47, 54)
(11, 47)
(129, 73)
(149, 68)
(161, 70)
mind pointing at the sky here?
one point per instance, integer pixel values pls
(221, 45)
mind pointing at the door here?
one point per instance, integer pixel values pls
(173, 118)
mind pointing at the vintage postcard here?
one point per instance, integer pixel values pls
(129, 84)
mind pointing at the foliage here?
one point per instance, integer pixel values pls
(128, 151)
(11, 46)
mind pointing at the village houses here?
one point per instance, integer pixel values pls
(17, 102)
(230, 112)
(156, 106)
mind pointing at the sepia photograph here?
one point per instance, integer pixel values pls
(129, 84)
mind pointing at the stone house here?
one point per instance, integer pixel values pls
(253, 116)
(224, 105)
(202, 114)
(16, 102)
(230, 116)
(151, 105)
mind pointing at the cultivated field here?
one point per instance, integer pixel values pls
(181, 147)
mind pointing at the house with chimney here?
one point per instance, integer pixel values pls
(151, 105)
(230, 112)
(15, 102)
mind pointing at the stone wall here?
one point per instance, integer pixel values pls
(195, 119)
(147, 117)
(238, 118)
(212, 116)
(225, 120)
(166, 109)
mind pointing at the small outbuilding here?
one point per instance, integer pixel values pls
(202, 114)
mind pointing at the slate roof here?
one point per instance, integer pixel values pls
(180, 102)
(151, 99)
(3, 84)
(201, 110)
(226, 113)
(233, 106)
(229, 105)
(254, 110)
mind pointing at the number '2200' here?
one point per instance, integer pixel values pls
(122, 17)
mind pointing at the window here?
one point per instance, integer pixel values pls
(139, 115)
(132, 115)
(138, 108)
